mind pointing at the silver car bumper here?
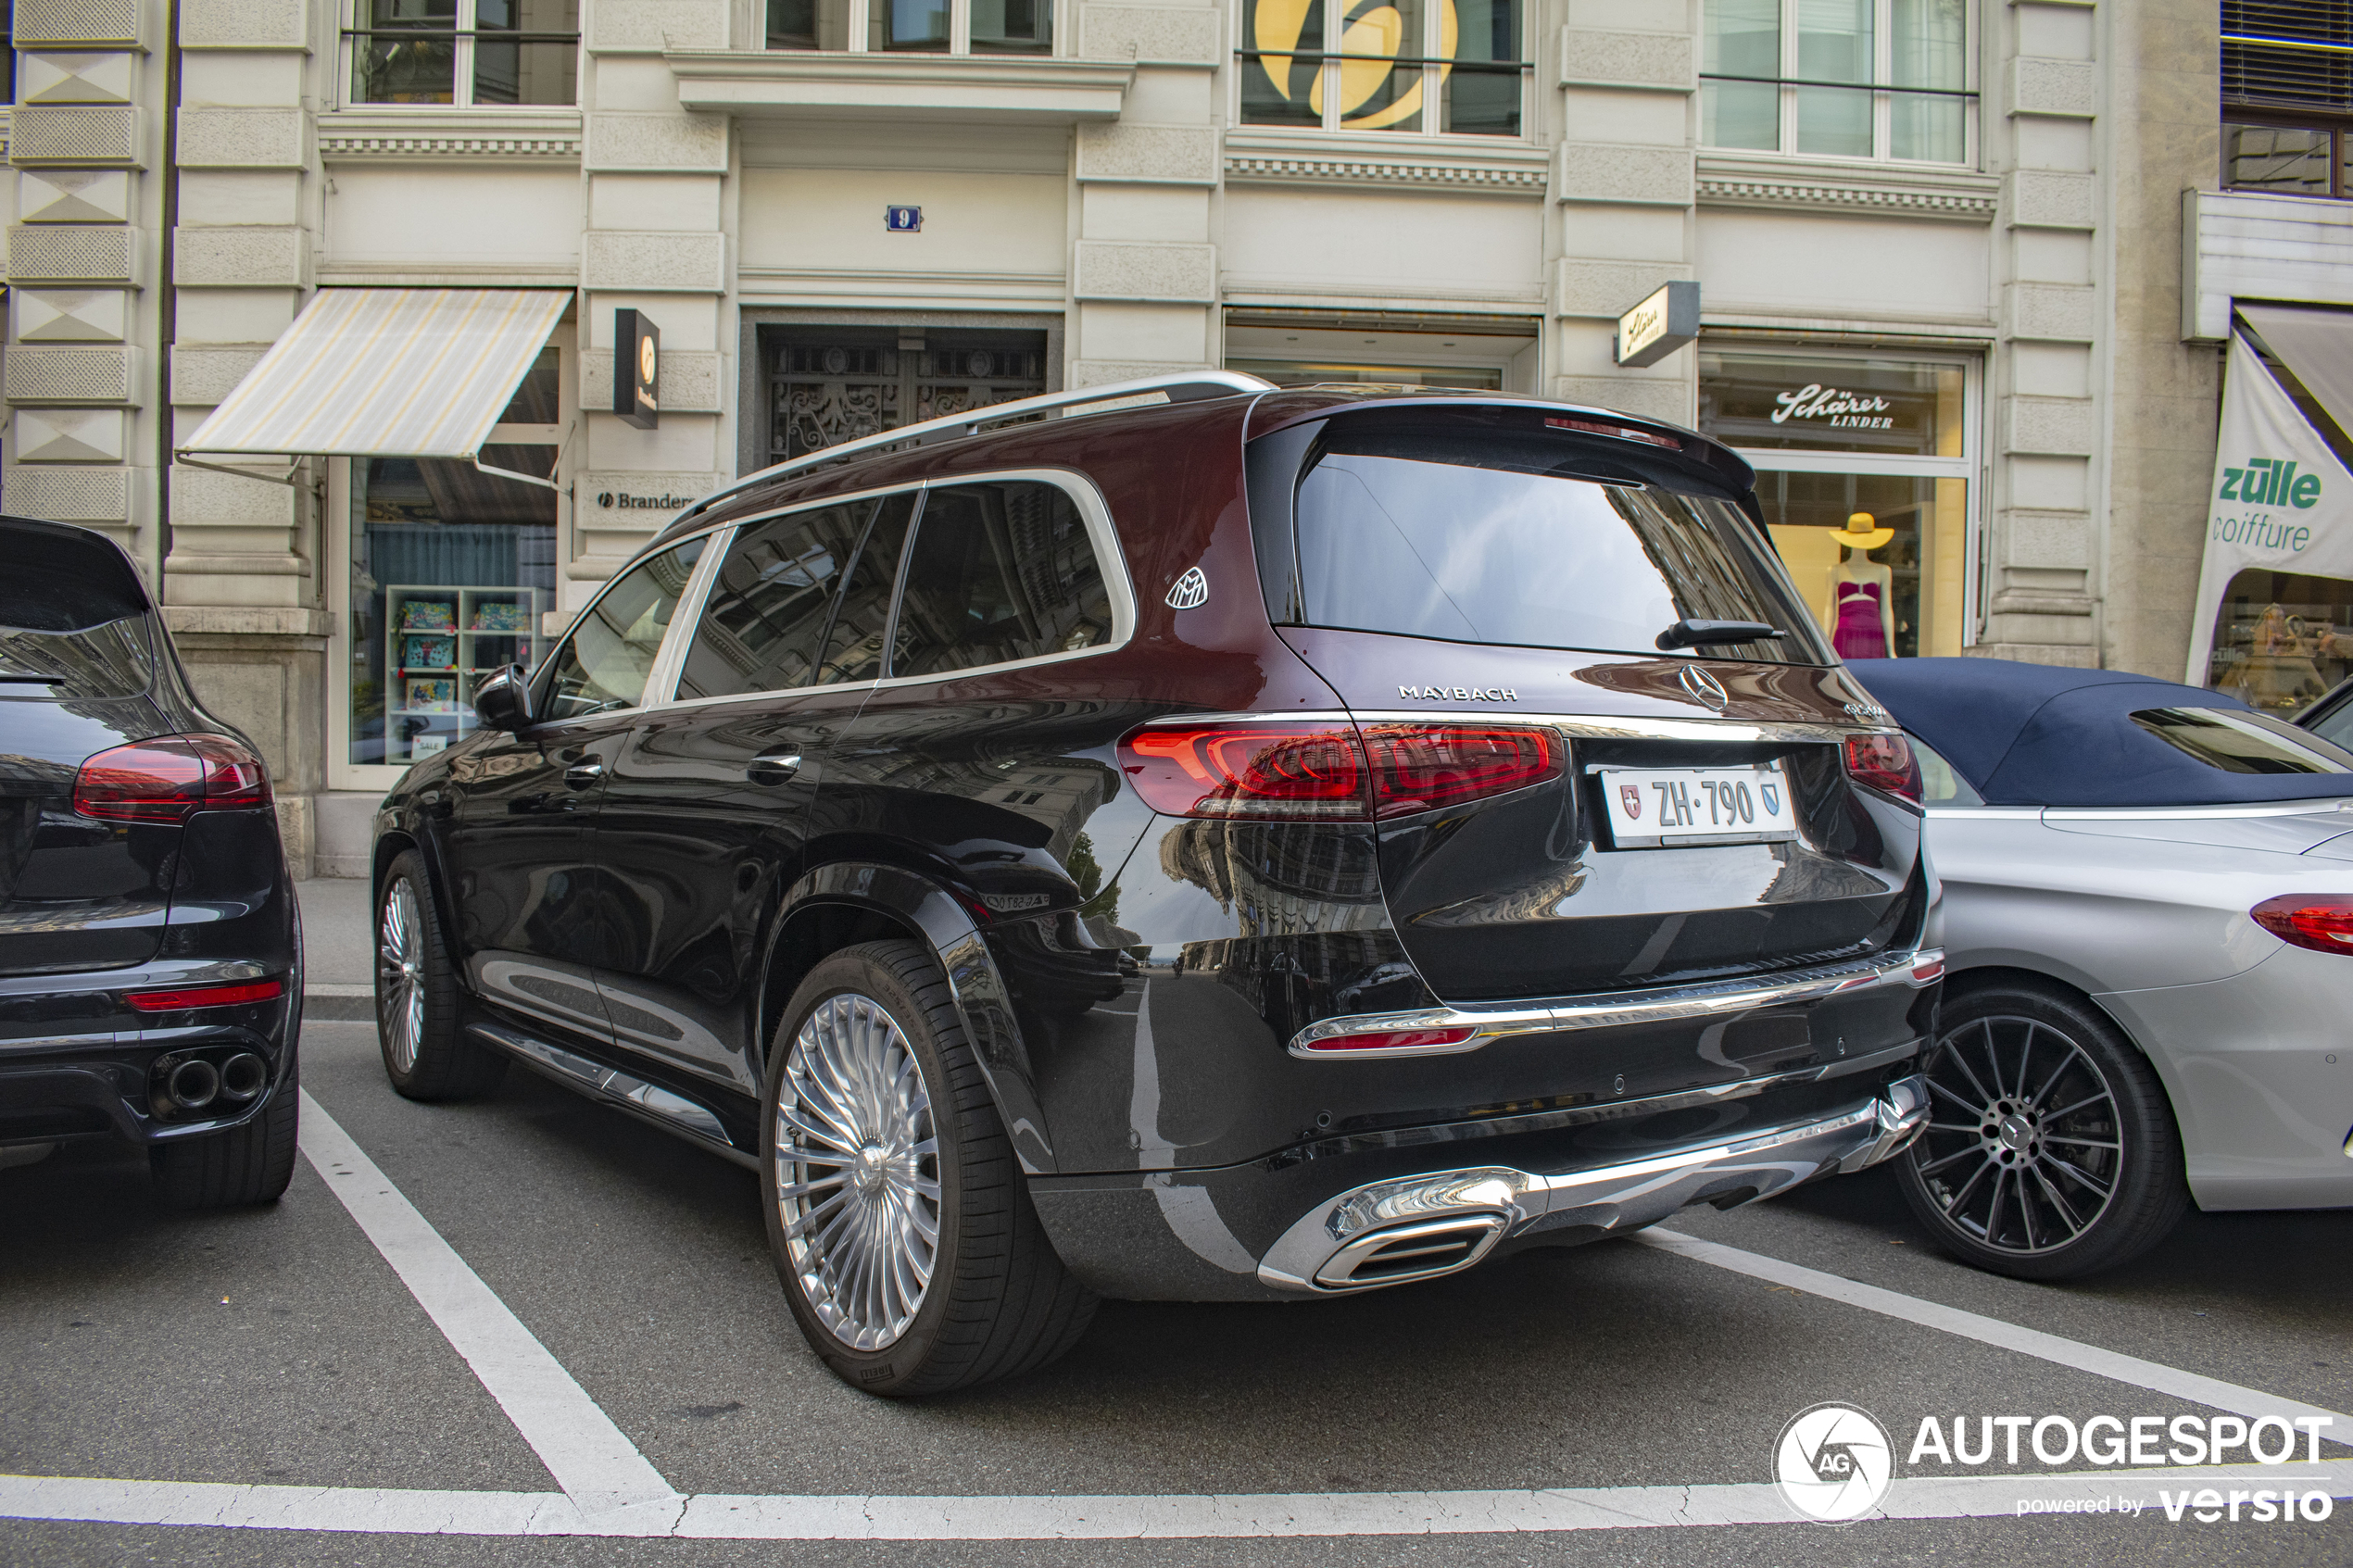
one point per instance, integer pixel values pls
(1418, 1227)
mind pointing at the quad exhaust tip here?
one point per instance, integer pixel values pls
(193, 1083)
(212, 1082)
(242, 1076)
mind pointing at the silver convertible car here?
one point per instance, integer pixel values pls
(2148, 928)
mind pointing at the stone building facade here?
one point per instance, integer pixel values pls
(1939, 243)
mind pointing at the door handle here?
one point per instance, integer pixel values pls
(580, 775)
(776, 769)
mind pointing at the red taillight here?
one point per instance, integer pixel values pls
(1624, 432)
(1325, 773)
(2322, 921)
(167, 779)
(1390, 1040)
(206, 997)
(1884, 762)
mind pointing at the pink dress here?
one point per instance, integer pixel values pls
(1861, 633)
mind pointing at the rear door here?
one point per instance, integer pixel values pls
(700, 831)
(1453, 581)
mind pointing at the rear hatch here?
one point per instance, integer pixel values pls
(78, 652)
(1455, 577)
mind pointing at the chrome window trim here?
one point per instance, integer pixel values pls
(662, 656)
(1577, 726)
(1667, 1004)
(1095, 513)
(2313, 807)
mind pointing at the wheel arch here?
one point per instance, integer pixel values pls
(1988, 977)
(847, 902)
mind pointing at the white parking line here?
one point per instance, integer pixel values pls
(600, 1468)
(1184, 1517)
(2152, 1376)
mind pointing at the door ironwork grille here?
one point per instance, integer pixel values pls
(831, 384)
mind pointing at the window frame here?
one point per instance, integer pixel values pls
(1882, 87)
(859, 26)
(1431, 63)
(661, 675)
(465, 33)
(2337, 128)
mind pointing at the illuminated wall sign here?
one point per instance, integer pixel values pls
(637, 368)
(1660, 325)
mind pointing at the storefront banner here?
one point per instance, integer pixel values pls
(2280, 499)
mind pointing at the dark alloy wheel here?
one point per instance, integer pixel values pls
(2051, 1150)
(896, 1214)
(425, 1051)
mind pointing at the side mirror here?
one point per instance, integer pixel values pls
(503, 700)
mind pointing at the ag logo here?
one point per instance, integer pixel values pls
(1192, 590)
(1377, 33)
(1834, 1462)
(1630, 796)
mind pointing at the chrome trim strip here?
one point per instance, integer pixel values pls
(1577, 726)
(1621, 1196)
(2191, 813)
(1553, 1015)
(672, 1112)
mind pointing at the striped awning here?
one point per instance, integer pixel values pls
(386, 373)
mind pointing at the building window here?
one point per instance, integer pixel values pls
(7, 51)
(1437, 67)
(1863, 470)
(465, 52)
(2287, 96)
(831, 384)
(939, 26)
(1862, 79)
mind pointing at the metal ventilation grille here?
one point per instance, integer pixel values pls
(2288, 54)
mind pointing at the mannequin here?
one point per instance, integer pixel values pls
(1861, 617)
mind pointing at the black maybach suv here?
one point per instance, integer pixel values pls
(1186, 840)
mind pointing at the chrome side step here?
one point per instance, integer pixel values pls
(672, 1112)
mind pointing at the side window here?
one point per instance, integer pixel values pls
(853, 650)
(605, 662)
(999, 571)
(769, 606)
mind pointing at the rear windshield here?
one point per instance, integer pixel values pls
(1505, 539)
(73, 618)
(2244, 742)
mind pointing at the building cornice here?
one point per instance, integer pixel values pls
(796, 84)
(1734, 180)
(430, 134)
(1324, 159)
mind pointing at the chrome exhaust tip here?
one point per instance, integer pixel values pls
(1402, 1253)
(242, 1076)
(193, 1083)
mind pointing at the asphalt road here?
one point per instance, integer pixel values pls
(280, 1349)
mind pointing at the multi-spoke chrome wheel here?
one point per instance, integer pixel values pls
(2023, 1145)
(857, 1170)
(400, 988)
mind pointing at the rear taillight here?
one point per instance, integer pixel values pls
(235, 995)
(1884, 762)
(167, 779)
(2322, 921)
(1379, 1041)
(1623, 433)
(1326, 772)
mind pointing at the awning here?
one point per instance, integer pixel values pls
(386, 373)
(2317, 347)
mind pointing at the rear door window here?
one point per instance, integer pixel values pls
(1001, 571)
(764, 626)
(607, 660)
(1500, 540)
(853, 646)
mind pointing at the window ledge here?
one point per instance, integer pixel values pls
(392, 133)
(1771, 179)
(1496, 165)
(794, 84)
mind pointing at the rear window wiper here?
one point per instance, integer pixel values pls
(1700, 633)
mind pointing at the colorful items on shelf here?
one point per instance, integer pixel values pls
(494, 616)
(428, 615)
(428, 653)
(428, 693)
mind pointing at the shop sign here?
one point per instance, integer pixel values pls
(2280, 499)
(1659, 325)
(637, 368)
(1885, 407)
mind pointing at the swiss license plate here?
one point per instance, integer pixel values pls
(1654, 807)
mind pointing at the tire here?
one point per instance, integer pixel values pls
(2035, 1092)
(248, 1165)
(872, 1059)
(426, 1053)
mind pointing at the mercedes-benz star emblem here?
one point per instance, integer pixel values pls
(1704, 686)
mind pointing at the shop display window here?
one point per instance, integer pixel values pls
(1435, 66)
(2281, 639)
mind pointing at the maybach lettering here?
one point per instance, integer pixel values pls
(1853, 411)
(1458, 694)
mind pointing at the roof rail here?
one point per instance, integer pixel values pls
(1183, 387)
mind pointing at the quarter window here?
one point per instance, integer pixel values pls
(605, 663)
(774, 594)
(1864, 78)
(464, 53)
(2243, 743)
(1432, 66)
(999, 571)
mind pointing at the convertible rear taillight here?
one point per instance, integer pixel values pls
(167, 779)
(1328, 772)
(2322, 921)
(1884, 762)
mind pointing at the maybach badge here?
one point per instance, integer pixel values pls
(1191, 592)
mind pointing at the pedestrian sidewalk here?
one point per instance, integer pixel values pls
(337, 948)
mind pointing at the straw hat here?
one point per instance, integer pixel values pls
(1862, 532)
